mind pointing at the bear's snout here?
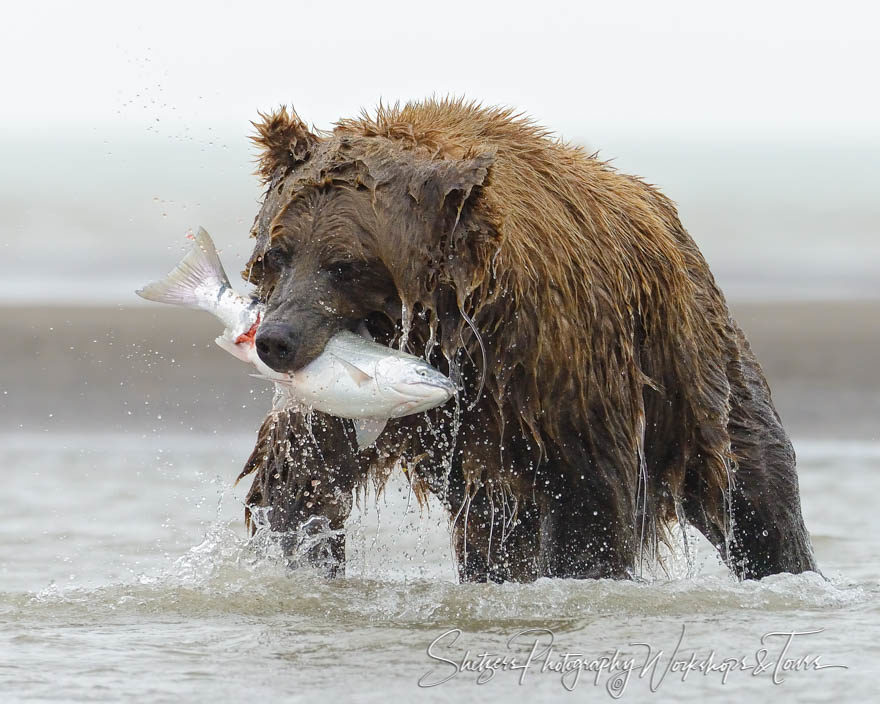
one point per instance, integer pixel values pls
(277, 345)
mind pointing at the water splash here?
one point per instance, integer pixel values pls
(238, 586)
(641, 507)
(485, 359)
(432, 337)
(455, 426)
(405, 326)
(685, 542)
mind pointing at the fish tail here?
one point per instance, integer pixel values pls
(189, 284)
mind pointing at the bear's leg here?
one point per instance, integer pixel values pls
(576, 542)
(304, 480)
(586, 517)
(495, 537)
(768, 533)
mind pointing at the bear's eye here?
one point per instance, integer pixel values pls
(274, 259)
(346, 270)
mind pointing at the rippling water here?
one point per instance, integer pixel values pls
(125, 573)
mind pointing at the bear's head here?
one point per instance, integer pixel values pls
(359, 228)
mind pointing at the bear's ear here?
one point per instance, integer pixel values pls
(461, 233)
(284, 141)
(439, 184)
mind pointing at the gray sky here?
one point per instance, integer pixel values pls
(688, 68)
(124, 125)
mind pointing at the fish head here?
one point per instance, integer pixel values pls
(415, 383)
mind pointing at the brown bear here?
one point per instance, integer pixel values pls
(606, 392)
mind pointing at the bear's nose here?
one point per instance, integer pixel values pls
(276, 345)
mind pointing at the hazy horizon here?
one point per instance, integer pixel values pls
(776, 219)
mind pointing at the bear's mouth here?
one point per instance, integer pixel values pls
(379, 327)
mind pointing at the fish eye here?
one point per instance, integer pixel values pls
(422, 372)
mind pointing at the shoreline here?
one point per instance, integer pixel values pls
(150, 368)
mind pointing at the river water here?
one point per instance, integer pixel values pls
(125, 574)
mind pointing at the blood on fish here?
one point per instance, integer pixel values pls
(250, 334)
(332, 383)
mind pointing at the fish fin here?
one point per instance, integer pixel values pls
(364, 332)
(200, 266)
(276, 379)
(366, 430)
(359, 376)
(227, 345)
